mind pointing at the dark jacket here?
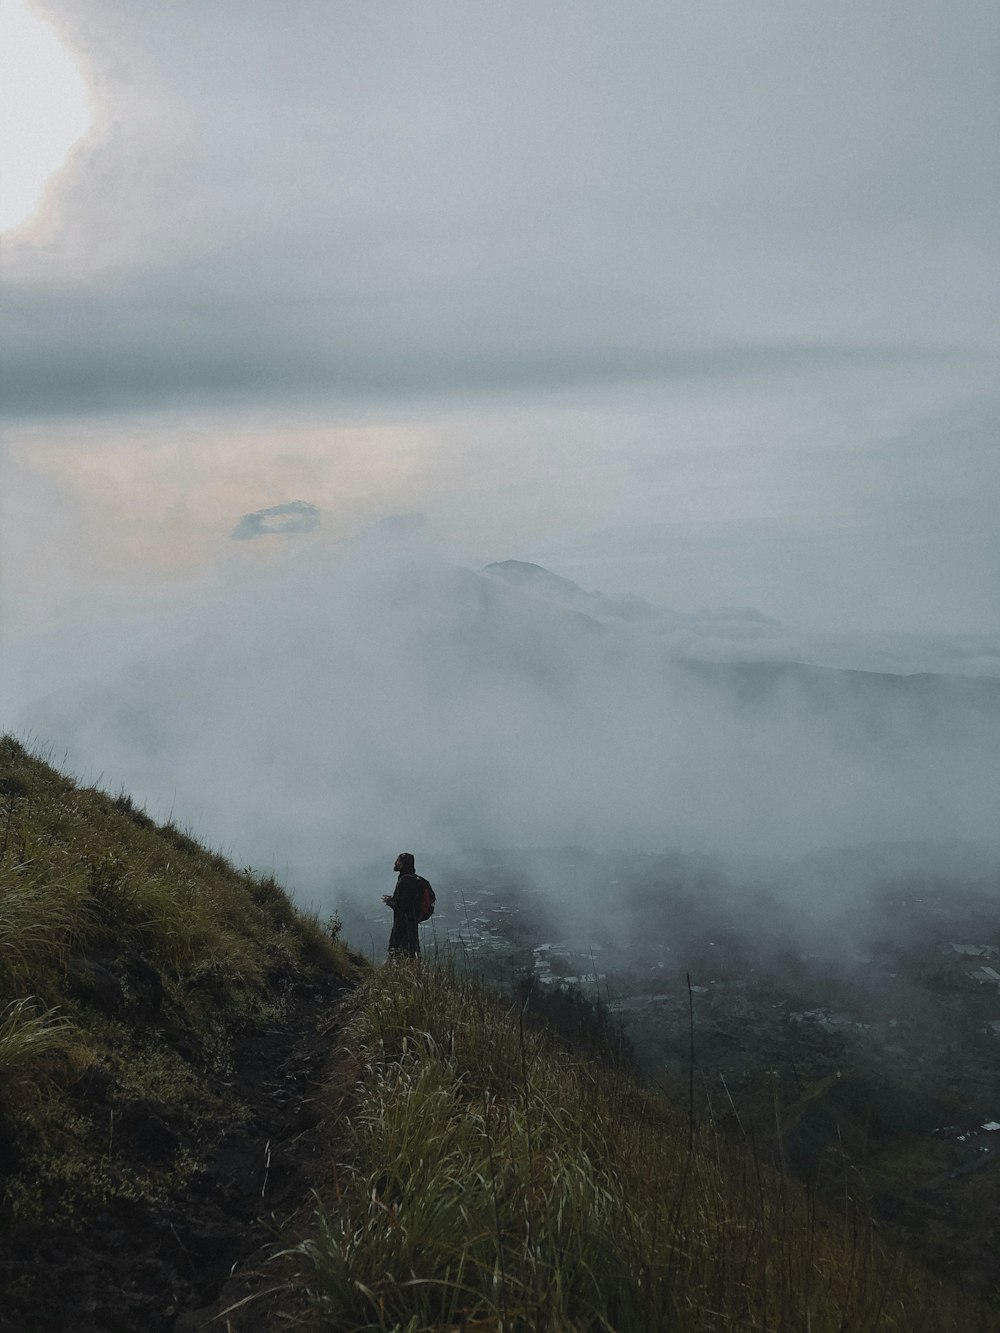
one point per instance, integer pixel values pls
(405, 904)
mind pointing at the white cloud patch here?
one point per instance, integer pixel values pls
(460, 198)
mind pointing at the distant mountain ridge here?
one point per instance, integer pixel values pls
(757, 683)
(558, 590)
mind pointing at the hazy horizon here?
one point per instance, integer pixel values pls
(313, 709)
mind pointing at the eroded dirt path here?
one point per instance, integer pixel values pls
(140, 1267)
(291, 1078)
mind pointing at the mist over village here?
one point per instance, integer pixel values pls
(560, 442)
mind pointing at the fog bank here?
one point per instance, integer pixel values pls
(345, 701)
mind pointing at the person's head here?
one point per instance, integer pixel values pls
(404, 863)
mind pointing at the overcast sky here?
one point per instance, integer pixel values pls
(694, 299)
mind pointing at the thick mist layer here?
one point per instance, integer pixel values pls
(344, 702)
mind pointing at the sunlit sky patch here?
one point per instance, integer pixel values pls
(45, 109)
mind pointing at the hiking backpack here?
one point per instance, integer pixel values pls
(427, 899)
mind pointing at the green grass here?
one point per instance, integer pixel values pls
(133, 958)
(496, 1182)
(29, 1040)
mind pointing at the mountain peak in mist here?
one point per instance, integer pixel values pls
(726, 622)
(554, 588)
(294, 516)
(523, 572)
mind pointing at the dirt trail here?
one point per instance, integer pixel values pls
(137, 1267)
(292, 1076)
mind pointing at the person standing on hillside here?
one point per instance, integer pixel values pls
(405, 903)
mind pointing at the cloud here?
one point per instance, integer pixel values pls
(618, 198)
(134, 346)
(295, 516)
(393, 528)
(830, 500)
(339, 700)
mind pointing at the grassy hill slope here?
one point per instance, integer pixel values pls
(133, 966)
(498, 1180)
